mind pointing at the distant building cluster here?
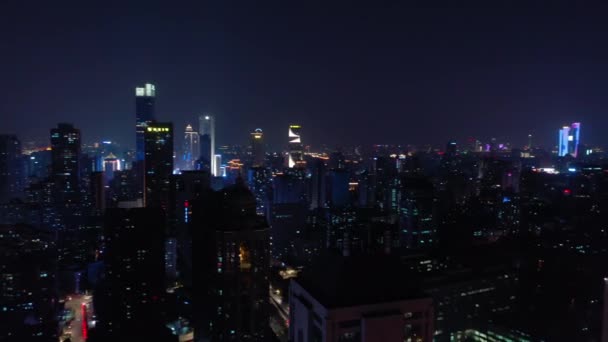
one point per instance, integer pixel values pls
(185, 238)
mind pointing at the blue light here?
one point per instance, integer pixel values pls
(506, 199)
(571, 169)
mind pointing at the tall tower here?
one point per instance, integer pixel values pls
(257, 147)
(191, 148)
(144, 115)
(158, 164)
(564, 135)
(296, 149)
(65, 162)
(573, 139)
(207, 132)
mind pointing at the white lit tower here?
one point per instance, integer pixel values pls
(207, 143)
(296, 149)
(191, 148)
(145, 98)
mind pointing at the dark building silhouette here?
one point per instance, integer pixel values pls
(11, 168)
(232, 244)
(27, 284)
(258, 151)
(318, 192)
(129, 300)
(65, 165)
(158, 164)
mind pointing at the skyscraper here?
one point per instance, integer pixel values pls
(207, 132)
(569, 137)
(573, 139)
(296, 149)
(158, 164)
(11, 168)
(257, 147)
(144, 114)
(191, 148)
(562, 148)
(65, 165)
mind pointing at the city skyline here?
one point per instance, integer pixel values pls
(287, 172)
(524, 73)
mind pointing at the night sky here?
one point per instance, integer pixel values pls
(349, 73)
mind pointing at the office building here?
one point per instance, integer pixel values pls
(258, 153)
(65, 162)
(158, 164)
(191, 150)
(207, 143)
(569, 139)
(574, 139)
(145, 98)
(416, 213)
(295, 154)
(11, 168)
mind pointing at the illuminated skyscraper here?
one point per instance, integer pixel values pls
(573, 139)
(65, 165)
(110, 165)
(207, 132)
(562, 148)
(158, 164)
(296, 149)
(257, 147)
(144, 114)
(569, 137)
(191, 148)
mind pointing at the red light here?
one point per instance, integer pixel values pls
(85, 328)
(186, 203)
(567, 191)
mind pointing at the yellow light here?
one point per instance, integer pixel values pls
(158, 129)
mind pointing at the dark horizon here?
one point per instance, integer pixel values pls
(392, 74)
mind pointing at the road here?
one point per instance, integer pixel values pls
(279, 320)
(82, 307)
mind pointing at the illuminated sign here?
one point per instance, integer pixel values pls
(157, 129)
